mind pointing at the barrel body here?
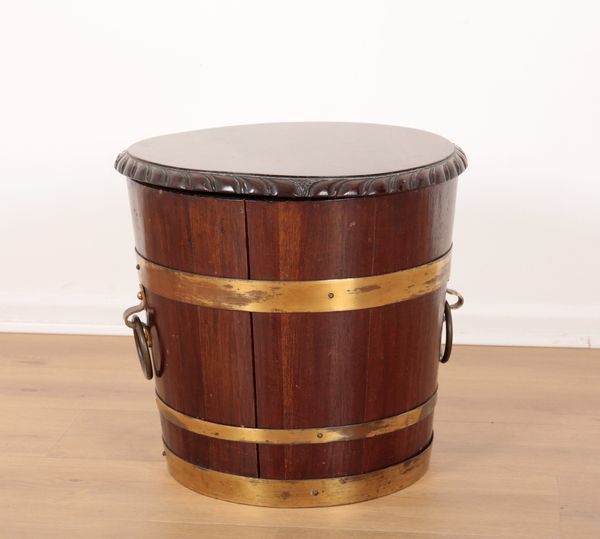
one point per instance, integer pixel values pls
(295, 371)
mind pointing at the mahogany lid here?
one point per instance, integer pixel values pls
(295, 160)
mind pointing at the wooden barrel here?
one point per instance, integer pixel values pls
(294, 281)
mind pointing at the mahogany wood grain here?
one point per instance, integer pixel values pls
(207, 353)
(302, 369)
(297, 149)
(316, 369)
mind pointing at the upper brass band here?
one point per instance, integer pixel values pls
(326, 295)
(320, 435)
(299, 492)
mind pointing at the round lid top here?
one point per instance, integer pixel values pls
(291, 160)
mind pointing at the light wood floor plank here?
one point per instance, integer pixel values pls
(106, 434)
(515, 504)
(515, 453)
(111, 529)
(33, 431)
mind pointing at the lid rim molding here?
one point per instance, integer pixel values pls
(291, 186)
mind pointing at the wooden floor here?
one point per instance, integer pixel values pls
(516, 454)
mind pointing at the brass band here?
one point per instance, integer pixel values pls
(301, 492)
(321, 435)
(326, 295)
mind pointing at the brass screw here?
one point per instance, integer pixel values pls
(330, 295)
(137, 266)
(314, 492)
(319, 435)
(164, 453)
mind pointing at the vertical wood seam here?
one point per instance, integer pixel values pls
(366, 377)
(251, 315)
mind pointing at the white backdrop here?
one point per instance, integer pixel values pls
(516, 84)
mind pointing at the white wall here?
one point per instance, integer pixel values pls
(516, 84)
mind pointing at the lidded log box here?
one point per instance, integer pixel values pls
(294, 278)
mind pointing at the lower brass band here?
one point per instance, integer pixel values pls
(318, 435)
(302, 492)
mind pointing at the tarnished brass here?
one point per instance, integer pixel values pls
(321, 435)
(325, 295)
(141, 338)
(299, 493)
(447, 325)
(460, 300)
(135, 309)
(157, 361)
(141, 334)
(447, 336)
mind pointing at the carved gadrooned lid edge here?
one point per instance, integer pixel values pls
(225, 183)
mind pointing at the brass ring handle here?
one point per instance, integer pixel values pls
(460, 301)
(141, 334)
(142, 338)
(447, 321)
